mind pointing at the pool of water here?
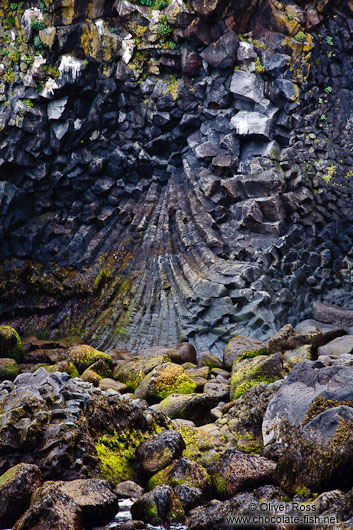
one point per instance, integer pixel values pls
(124, 514)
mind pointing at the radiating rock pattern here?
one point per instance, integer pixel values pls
(190, 184)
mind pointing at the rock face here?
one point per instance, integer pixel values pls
(186, 174)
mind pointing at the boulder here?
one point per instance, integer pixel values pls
(337, 347)
(159, 506)
(238, 346)
(133, 372)
(107, 383)
(207, 359)
(336, 316)
(185, 353)
(186, 472)
(83, 356)
(159, 451)
(10, 344)
(50, 509)
(250, 372)
(206, 8)
(129, 490)
(78, 503)
(194, 407)
(178, 14)
(308, 426)
(164, 380)
(9, 369)
(236, 471)
(64, 366)
(16, 488)
(217, 514)
(304, 384)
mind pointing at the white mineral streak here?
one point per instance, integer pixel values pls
(70, 66)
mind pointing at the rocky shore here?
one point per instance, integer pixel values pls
(189, 437)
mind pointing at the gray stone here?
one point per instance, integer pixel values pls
(247, 86)
(337, 346)
(305, 382)
(56, 108)
(336, 316)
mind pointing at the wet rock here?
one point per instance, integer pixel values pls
(216, 514)
(194, 407)
(83, 356)
(10, 344)
(166, 379)
(236, 471)
(159, 451)
(239, 346)
(128, 489)
(16, 488)
(189, 496)
(158, 506)
(250, 372)
(9, 369)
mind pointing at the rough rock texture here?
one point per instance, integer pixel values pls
(308, 426)
(158, 506)
(235, 472)
(16, 488)
(159, 451)
(60, 424)
(149, 207)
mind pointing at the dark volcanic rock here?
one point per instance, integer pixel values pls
(236, 471)
(16, 488)
(63, 421)
(158, 451)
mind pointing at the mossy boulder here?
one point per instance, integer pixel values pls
(9, 369)
(238, 346)
(16, 488)
(10, 344)
(133, 372)
(250, 372)
(164, 380)
(236, 471)
(183, 471)
(207, 359)
(159, 506)
(159, 451)
(64, 366)
(202, 447)
(83, 356)
(194, 407)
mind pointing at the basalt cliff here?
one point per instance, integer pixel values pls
(174, 170)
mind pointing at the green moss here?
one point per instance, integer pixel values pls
(84, 356)
(172, 380)
(251, 354)
(250, 383)
(8, 477)
(9, 369)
